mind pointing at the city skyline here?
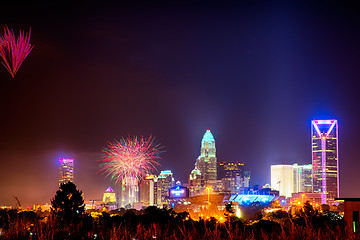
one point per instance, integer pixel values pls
(255, 73)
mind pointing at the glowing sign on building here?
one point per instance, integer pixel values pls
(179, 192)
(244, 199)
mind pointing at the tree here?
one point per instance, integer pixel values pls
(229, 211)
(68, 203)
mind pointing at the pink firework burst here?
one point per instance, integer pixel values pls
(130, 159)
(14, 51)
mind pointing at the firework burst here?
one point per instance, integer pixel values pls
(14, 50)
(130, 159)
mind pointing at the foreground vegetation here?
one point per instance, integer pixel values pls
(68, 220)
(155, 223)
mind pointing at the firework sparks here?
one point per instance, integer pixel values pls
(14, 51)
(130, 160)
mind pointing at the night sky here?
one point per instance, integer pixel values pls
(255, 73)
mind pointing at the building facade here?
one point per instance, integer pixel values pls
(109, 199)
(206, 162)
(230, 169)
(233, 176)
(147, 191)
(324, 139)
(195, 183)
(288, 179)
(165, 181)
(302, 178)
(282, 179)
(66, 170)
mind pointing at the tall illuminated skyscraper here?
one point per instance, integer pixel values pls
(232, 174)
(206, 162)
(324, 138)
(148, 194)
(302, 178)
(165, 181)
(282, 179)
(66, 170)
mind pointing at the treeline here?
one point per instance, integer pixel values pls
(155, 223)
(68, 220)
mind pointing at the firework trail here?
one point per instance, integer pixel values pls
(130, 160)
(14, 51)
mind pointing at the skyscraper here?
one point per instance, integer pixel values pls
(324, 139)
(66, 170)
(230, 169)
(282, 179)
(288, 179)
(147, 191)
(206, 162)
(302, 178)
(232, 174)
(165, 181)
(109, 199)
(195, 183)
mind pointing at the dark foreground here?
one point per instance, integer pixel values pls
(154, 223)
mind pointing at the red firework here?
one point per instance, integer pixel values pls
(14, 51)
(130, 160)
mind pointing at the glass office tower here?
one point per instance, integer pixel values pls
(324, 138)
(66, 170)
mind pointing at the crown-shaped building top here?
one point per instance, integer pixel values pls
(196, 171)
(208, 137)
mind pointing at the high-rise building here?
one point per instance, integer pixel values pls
(230, 169)
(247, 176)
(288, 179)
(302, 178)
(195, 183)
(164, 182)
(147, 191)
(66, 170)
(282, 179)
(324, 139)
(109, 196)
(206, 162)
(232, 175)
(109, 199)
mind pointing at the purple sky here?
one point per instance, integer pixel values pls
(256, 74)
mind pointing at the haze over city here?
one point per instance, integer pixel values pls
(255, 74)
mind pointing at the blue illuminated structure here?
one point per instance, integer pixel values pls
(247, 199)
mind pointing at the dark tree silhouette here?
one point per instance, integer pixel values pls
(228, 208)
(68, 203)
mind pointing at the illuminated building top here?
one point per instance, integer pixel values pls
(109, 189)
(64, 160)
(165, 173)
(196, 171)
(208, 137)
